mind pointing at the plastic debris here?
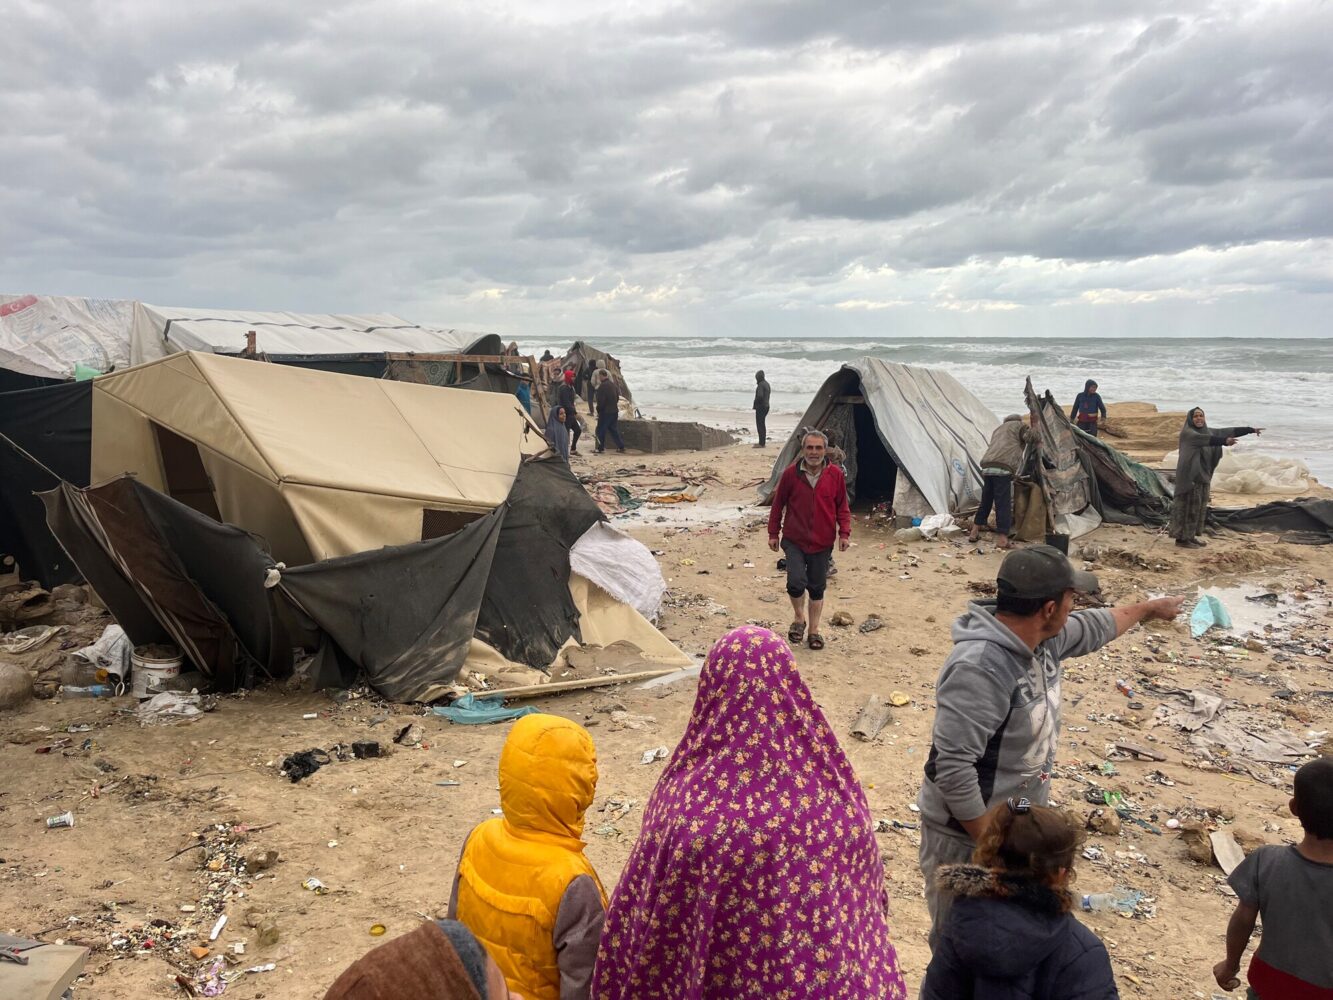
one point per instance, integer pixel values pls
(657, 753)
(1208, 613)
(469, 710)
(170, 707)
(315, 886)
(64, 820)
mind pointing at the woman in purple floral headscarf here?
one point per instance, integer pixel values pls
(756, 873)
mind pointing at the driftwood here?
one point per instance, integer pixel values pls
(874, 717)
(580, 684)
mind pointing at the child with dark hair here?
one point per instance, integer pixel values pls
(1291, 887)
(1009, 932)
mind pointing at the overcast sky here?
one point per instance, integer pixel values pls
(728, 167)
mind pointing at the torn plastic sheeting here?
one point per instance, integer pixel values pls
(620, 565)
(29, 638)
(470, 710)
(169, 707)
(1207, 613)
(111, 651)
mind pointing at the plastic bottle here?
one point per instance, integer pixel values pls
(1125, 688)
(91, 691)
(1120, 901)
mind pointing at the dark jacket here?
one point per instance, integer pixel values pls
(812, 519)
(608, 396)
(762, 390)
(1200, 451)
(1007, 937)
(1006, 445)
(564, 396)
(1087, 406)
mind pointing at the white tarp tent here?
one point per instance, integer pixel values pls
(929, 434)
(48, 335)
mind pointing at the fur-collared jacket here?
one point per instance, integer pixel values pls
(1008, 937)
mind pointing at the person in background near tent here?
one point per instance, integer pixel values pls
(1291, 887)
(1088, 408)
(997, 700)
(590, 384)
(1010, 932)
(1200, 451)
(557, 430)
(809, 513)
(547, 355)
(440, 960)
(524, 394)
(608, 410)
(998, 467)
(762, 392)
(524, 887)
(565, 396)
(756, 872)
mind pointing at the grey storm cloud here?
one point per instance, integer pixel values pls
(509, 165)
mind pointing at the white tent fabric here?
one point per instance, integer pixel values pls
(158, 331)
(622, 566)
(47, 335)
(935, 430)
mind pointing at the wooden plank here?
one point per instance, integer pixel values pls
(1140, 751)
(874, 717)
(579, 684)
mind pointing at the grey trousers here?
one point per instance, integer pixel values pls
(939, 848)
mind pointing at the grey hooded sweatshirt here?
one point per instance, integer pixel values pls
(997, 715)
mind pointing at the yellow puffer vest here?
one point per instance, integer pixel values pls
(515, 869)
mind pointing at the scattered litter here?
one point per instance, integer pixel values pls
(874, 717)
(304, 763)
(364, 749)
(170, 707)
(898, 699)
(377, 930)
(658, 753)
(678, 675)
(310, 715)
(885, 825)
(872, 623)
(217, 928)
(629, 720)
(1226, 851)
(410, 735)
(1123, 901)
(449, 784)
(469, 710)
(210, 980)
(460, 763)
(64, 820)
(315, 886)
(29, 638)
(1208, 613)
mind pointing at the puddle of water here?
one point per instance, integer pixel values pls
(1260, 616)
(685, 513)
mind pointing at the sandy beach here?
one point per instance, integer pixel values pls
(383, 834)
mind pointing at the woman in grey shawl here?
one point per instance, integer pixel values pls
(557, 430)
(1200, 451)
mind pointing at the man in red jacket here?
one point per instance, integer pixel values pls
(813, 495)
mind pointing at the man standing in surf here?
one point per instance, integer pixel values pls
(762, 391)
(808, 515)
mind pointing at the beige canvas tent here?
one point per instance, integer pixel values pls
(320, 465)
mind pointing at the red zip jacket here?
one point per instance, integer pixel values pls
(812, 514)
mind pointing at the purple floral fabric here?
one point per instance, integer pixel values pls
(757, 873)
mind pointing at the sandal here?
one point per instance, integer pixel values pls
(816, 641)
(796, 632)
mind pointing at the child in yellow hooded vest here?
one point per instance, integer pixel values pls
(523, 886)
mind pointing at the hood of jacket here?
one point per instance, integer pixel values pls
(548, 775)
(1003, 925)
(978, 623)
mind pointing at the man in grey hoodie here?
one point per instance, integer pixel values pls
(997, 700)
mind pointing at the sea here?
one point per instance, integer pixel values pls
(1282, 385)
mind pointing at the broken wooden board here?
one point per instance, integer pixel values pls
(1142, 752)
(874, 717)
(578, 684)
(1225, 849)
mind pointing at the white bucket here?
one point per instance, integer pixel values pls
(148, 672)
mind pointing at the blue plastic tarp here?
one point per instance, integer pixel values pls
(470, 710)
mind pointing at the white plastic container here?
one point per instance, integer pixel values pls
(148, 672)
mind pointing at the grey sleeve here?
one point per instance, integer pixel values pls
(1244, 881)
(1085, 632)
(578, 930)
(971, 704)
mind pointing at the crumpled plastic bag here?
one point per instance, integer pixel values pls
(170, 707)
(28, 638)
(470, 710)
(1208, 612)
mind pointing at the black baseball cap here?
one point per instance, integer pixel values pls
(1042, 571)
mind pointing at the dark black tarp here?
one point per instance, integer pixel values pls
(1305, 521)
(202, 582)
(405, 614)
(53, 425)
(527, 612)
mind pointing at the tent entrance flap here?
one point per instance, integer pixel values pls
(183, 471)
(876, 473)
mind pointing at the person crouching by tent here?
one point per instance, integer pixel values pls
(1200, 451)
(523, 885)
(756, 872)
(808, 515)
(557, 431)
(999, 465)
(565, 396)
(440, 960)
(1010, 932)
(1088, 408)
